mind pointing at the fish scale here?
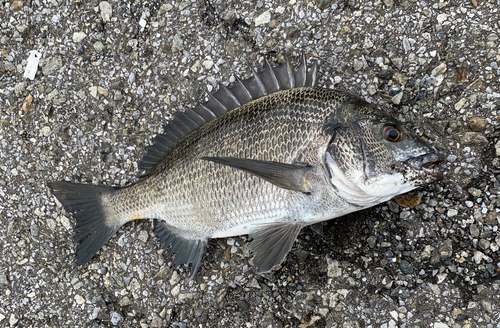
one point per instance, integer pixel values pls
(265, 157)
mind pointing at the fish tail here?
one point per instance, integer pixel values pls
(94, 223)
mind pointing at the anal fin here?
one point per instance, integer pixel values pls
(187, 251)
(272, 242)
(287, 176)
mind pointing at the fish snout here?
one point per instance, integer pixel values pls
(426, 161)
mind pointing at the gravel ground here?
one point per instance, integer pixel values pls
(112, 72)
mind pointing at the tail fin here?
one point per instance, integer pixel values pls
(92, 225)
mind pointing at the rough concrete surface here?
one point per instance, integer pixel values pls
(111, 73)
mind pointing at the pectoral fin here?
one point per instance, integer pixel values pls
(287, 176)
(271, 242)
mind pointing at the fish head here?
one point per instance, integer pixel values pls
(372, 157)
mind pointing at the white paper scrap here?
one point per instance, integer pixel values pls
(32, 65)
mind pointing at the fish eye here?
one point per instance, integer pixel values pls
(392, 133)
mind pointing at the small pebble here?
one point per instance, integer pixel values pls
(263, 18)
(426, 253)
(16, 5)
(243, 304)
(334, 269)
(372, 240)
(79, 299)
(358, 64)
(106, 11)
(440, 69)
(175, 278)
(45, 131)
(406, 267)
(396, 100)
(13, 320)
(78, 37)
(177, 43)
(99, 46)
(116, 318)
(451, 158)
(497, 149)
(484, 244)
(52, 65)
(474, 230)
(208, 64)
(460, 104)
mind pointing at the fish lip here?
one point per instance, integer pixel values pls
(426, 162)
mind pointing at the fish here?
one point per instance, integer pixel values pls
(263, 157)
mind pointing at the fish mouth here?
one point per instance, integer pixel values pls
(426, 162)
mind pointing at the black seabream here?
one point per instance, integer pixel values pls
(265, 157)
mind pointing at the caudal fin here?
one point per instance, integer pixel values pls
(92, 224)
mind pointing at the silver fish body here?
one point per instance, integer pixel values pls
(267, 157)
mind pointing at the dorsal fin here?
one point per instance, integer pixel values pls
(270, 80)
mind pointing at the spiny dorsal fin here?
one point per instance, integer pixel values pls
(270, 80)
